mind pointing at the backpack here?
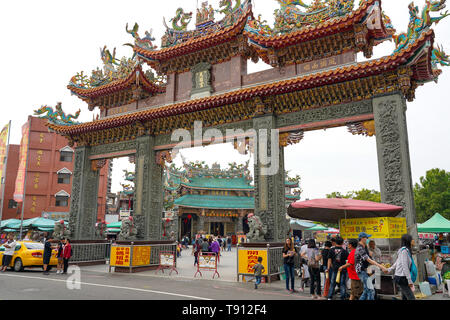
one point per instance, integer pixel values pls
(413, 268)
(312, 262)
(337, 257)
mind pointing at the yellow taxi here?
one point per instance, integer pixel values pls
(29, 254)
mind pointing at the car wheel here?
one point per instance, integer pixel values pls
(18, 265)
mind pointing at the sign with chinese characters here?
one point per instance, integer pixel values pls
(167, 259)
(321, 236)
(56, 215)
(207, 261)
(120, 256)
(326, 63)
(379, 228)
(249, 257)
(23, 154)
(141, 256)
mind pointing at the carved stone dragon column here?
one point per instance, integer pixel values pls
(83, 206)
(393, 159)
(269, 176)
(149, 191)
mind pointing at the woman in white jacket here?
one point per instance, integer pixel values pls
(403, 267)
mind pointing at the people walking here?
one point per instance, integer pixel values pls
(289, 253)
(356, 285)
(258, 270)
(229, 243)
(10, 247)
(313, 257)
(59, 255)
(405, 269)
(197, 248)
(67, 254)
(337, 257)
(362, 261)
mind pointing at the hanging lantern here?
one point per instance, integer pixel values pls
(189, 217)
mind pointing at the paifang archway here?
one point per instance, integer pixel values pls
(315, 83)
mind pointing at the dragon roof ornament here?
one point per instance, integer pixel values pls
(178, 31)
(420, 23)
(113, 68)
(57, 116)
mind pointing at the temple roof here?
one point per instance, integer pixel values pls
(215, 202)
(218, 183)
(323, 26)
(409, 56)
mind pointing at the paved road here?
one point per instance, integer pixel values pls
(95, 285)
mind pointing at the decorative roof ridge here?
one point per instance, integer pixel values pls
(153, 55)
(359, 14)
(232, 96)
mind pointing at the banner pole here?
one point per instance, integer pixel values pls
(4, 170)
(25, 179)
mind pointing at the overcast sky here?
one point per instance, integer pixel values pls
(44, 43)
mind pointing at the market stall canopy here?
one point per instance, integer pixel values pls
(40, 223)
(114, 225)
(296, 224)
(332, 230)
(333, 209)
(318, 227)
(7, 223)
(435, 224)
(113, 230)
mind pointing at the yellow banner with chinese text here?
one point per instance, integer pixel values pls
(3, 148)
(141, 256)
(249, 257)
(379, 228)
(120, 256)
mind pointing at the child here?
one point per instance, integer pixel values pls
(305, 275)
(259, 269)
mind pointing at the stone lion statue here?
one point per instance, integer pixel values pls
(128, 231)
(100, 230)
(257, 229)
(60, 232)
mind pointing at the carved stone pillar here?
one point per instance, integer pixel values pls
(149, 196)
(393, 156)
(239, 227)
(394, 161)
(201, 224)
(83, 205)
(269, 179)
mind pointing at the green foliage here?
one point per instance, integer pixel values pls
(432, 195)
(363, 194)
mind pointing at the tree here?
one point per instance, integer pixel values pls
(363, 194)
(432, 195)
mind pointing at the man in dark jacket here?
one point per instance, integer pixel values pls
(47, 253)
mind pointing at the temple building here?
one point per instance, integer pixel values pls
(214, 200)
(200, 75)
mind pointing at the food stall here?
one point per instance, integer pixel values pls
(386, 231)
(355, 216)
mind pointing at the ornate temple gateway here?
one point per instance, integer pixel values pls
(201, 75)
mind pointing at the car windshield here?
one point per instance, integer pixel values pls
(33, 246)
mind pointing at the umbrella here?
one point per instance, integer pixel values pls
(318, 227)
(6, 223)
(113, 230)
(332, 210)
(435, 224)
(301, 224)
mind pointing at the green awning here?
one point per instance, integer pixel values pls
(113, 230)
(434, 225)
(115, 225)
(7, 223)
(215, 202)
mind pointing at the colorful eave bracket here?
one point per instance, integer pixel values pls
(135, 80)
